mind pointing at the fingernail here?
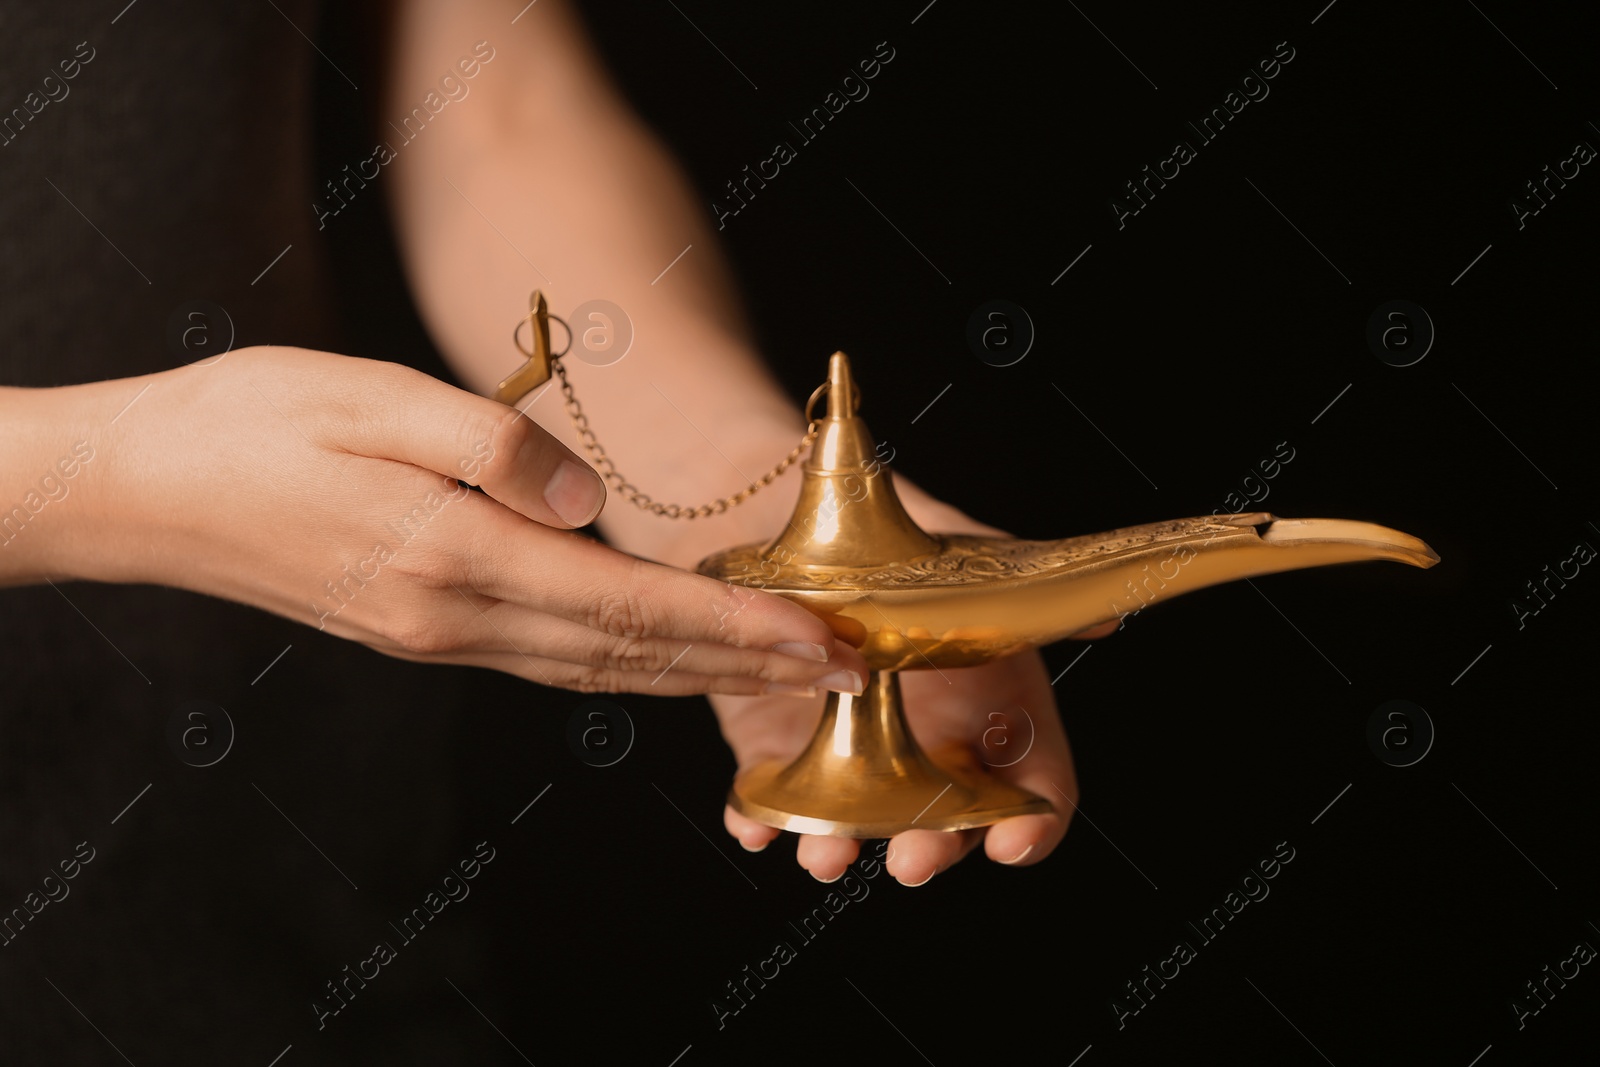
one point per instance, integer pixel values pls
(827, 881)
(758, 848)
(575, 493)
(842, 682)
(784, 689)
(925, 881)
(802, 650)
(1020, 856)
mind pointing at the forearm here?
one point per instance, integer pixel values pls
(548, 163)
(49, 462)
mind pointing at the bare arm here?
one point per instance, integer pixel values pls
(557, 169)
(542, 159)
(535, 156)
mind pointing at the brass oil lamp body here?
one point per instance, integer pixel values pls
(911, 600)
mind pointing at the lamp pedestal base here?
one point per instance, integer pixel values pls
(864, 776)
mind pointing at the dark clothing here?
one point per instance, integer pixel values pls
(175, 164)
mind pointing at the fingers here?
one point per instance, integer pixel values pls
(581, 678)
(673, 679)
(1043, 764)
(1047, 771)
(915, 856)
(947, 716)
(783, 673)
(1025, 840)
(826, 858)
(1094, 633)
(563, 610)
(406, 415)
(751, 835)
(629, 599)
(533, 474)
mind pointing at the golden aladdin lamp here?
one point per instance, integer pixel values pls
(912, 600)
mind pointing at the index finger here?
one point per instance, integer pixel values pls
(574, 578)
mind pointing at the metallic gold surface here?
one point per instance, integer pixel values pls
(973, 599)
(863, 775)
(912, 600)
(536, 371)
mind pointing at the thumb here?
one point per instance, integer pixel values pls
(461, 435)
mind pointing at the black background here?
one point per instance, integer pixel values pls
(1196, 338)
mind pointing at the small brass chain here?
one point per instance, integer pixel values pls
(631, 493)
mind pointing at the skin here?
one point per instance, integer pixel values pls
(241, 480)
(540, 176)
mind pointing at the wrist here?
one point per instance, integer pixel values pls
(937, 517)
(53, 470)
(746, 453)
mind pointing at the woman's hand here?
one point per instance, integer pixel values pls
(324, 488)
(991, 713)
(1002, 714)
